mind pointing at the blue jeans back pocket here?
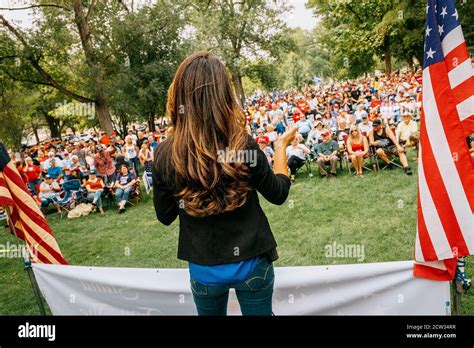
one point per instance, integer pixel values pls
(198, 288)
(262, 277)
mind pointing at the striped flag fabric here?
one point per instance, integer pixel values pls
(445, 226)
(29, 222)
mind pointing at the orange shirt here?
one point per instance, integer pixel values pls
(94, 185)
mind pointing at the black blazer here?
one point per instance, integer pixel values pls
(229, 237)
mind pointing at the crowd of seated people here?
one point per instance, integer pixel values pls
(370, 116)
(108, 164)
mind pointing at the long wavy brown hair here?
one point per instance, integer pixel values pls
(207, 119)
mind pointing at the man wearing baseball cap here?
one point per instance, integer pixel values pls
(387, 145)
(327, 154)
(49, 193)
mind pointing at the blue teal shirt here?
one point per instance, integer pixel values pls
(55, 172)
(231, 273)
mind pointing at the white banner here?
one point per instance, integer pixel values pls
(361, 289)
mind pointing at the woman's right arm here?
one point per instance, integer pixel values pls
(273, 185)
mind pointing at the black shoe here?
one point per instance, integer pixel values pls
(121, 210)
(408, 171)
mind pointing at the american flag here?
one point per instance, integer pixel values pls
(445, 229)
(29, 222)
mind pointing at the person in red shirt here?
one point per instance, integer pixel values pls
(32, 174)
(373, 115)
(303, 105)
(261, 136)
(296, 115)
(105, 139)
(375, 103)
(19, 167)
(95, 188)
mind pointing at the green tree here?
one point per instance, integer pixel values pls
(75, 46)
(356, 31)
(241, 31)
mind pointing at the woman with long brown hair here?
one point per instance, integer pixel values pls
(208, 173)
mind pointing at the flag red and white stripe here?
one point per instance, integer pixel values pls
(29, 222)
(445, 229)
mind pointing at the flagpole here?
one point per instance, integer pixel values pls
(27, 264)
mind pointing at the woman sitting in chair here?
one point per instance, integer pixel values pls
(95, 187)
(357, 149)
(123, 187)
(296, 155)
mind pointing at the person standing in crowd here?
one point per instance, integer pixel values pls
(80, 153)
(132, 134)
(104, 164)
(140, 139)
(145, 156)
(152, 141)
(217, 201)
(32, 174)
(95, 187)
(130, 152)
(123, 187)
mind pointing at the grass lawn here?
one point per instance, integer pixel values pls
(377, 212)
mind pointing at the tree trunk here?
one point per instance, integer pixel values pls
(151, 122)
(239, 89)
(53, 125)
(103, 116)
(94, 63)
(35, 132)
(123, 120)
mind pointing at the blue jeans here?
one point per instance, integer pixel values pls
(95, 196)
(32, 186)
(254, 294)
(122, 195)
(47, 201)
(136, 164)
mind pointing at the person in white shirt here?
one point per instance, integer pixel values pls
(360, 112)
(386, 111)
(132, 135)
(365, 126)
(407, 132)
(272, 135)
(295, 154)
(47, 164)
(49, 193)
